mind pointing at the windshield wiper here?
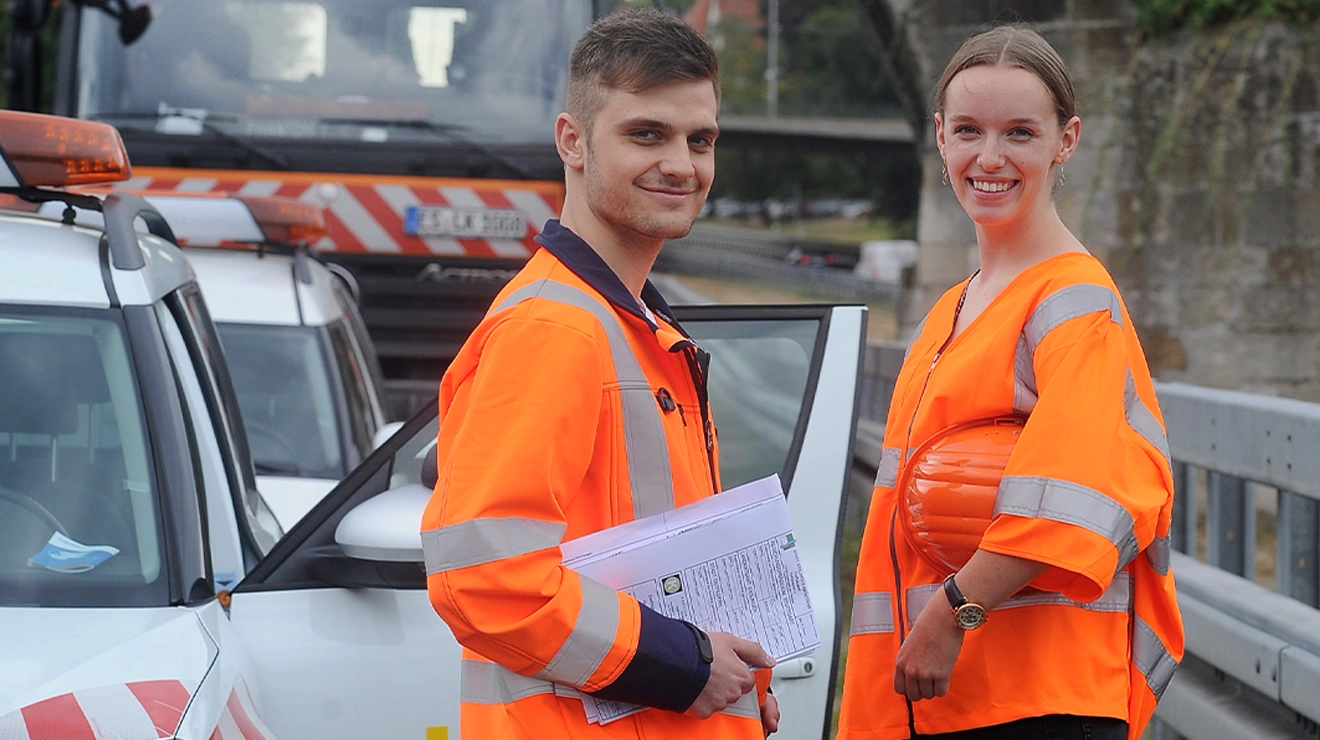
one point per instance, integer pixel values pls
(448, 131)
(275, 159)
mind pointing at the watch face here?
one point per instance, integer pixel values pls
(969, 616)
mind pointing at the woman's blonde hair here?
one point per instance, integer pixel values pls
(1014, 46)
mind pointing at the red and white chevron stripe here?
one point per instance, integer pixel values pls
(138, 710)
(141, 710)
(367, 215)
(239, 721)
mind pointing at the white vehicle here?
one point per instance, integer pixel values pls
(305, 371)
(128, 506)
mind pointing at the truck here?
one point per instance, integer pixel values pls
(424, 128)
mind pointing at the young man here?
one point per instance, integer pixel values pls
(579, 404)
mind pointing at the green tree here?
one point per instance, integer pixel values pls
(832, 68)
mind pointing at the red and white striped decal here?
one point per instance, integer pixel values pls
(239, 721)
(142, 709)
(367, 214)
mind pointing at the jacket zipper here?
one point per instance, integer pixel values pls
(902, 611)
(893, 545)
(689, 350)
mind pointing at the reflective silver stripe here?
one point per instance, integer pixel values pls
(746, 706)
(1064, 501)
(1069, 303)
(649, 472)
(918, 597)
(1151, 657)
(872, 613)
(1140, 418)
(1158, 555)
(485, 540)
(915, 335)
(1116, 599)
(591, 638)
(1057, 308)
(489, 683)
(886, 475)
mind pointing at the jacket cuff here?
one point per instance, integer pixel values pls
(667, 670)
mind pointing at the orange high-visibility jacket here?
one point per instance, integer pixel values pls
(568, 411)
(1087, 490)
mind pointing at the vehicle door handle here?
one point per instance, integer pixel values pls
(796, 668)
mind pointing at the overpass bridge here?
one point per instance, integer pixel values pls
(819, 134)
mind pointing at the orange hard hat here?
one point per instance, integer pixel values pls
(949, 487)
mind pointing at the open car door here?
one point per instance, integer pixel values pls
(336, 622)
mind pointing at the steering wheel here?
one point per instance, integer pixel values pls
(35, 508)
(270, 434)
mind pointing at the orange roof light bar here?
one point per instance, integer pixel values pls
(10, 202)
(287, 220)
(52, 151)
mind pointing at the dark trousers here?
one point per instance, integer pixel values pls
(1049, 727)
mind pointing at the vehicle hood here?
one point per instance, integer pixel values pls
(122, 671)
(290, 498)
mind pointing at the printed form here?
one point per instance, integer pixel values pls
(727, 563)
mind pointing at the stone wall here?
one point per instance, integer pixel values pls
(1197, 182)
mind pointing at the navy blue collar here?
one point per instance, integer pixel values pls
(578, 256)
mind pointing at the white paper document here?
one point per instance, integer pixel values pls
(727, 563)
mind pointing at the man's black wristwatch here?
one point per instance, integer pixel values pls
(703, 643)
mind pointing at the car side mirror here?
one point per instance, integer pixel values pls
(384, 433)
(386, 528)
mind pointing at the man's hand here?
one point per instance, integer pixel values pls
(730, 677)
(925, 661)
(770, 715)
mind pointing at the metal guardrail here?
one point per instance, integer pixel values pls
(1252, 668)
(736, 254)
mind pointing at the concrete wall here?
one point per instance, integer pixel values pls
(1196, 182)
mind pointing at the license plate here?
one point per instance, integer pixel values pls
(476, 223)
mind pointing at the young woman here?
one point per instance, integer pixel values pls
(1014, 578)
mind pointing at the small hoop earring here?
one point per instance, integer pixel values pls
(1063, 176)
(944, 171)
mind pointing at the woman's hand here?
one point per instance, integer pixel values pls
(925, 661)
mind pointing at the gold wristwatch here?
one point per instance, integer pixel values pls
(967, 614)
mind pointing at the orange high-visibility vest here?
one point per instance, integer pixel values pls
(1087, 490)
(566, 412)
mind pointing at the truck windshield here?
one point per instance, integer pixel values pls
(494, 70)
(78, 508)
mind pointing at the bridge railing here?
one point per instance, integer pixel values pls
(1242, 462)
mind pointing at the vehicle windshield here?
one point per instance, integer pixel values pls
(78, 508)
(488, 70)
(285, 393)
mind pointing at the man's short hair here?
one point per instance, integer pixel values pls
(635, 50)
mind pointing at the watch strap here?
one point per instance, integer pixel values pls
(703, 643)
(953, 593)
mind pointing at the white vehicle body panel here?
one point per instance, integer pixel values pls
(351, 663)
(97, 647)
(207, 221)
(46, 263)
(166, 271)
(290, 498)
(246, 288)
(318, 302)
